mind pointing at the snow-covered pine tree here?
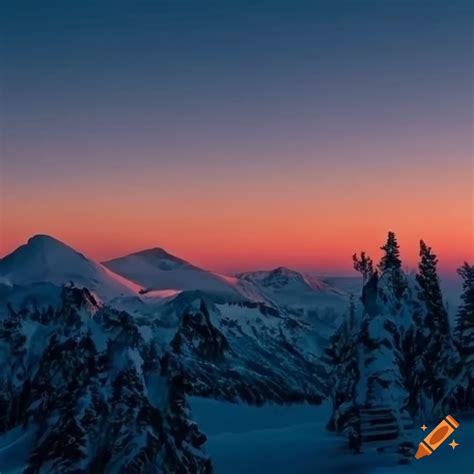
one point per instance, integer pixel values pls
(383, 383)
(388, 299)
(465, 337)
(439, 355)
(378, 336)
(390, 266)
(382, 397)
(342, 359)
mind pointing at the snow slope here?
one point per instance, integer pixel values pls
(156, 269)
(273, 439)
(44, 259)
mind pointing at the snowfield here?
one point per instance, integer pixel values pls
(293, 439)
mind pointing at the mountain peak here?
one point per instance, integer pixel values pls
(157, 258)
(48, 246)
(41, 247)
(44, 240)
(45, 259)
(159, 253)
(277, 278)
(155, 269)
(284, 271)
(282, 276)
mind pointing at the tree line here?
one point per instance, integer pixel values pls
(397, 347)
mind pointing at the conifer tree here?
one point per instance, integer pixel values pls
(430, 291)
(465, 335)
(390, 266)
(439, 352)
(465, 318)
(364, 265)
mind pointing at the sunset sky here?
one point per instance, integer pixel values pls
(239, 135)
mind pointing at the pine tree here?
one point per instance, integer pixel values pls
(438, 351)
(465, 335)
(364, 265)
(465, 319)
(391, 258)
(390, 266)
(430, 290)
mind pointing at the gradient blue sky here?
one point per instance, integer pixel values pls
(239, 134)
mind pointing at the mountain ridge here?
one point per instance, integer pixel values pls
(157, 273)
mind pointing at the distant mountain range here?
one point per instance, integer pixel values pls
(157, 273)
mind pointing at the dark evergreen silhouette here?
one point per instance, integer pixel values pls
(390, 266)
(465, 336)
(430, 290)
(439, 352)
(364, 265)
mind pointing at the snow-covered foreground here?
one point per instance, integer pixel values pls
(14, 448)
(293, 440)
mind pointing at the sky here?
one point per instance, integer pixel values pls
(239, 134)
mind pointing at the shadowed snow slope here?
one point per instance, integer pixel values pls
(44, 259)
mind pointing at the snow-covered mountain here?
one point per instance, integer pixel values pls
(44, 259)
(283, 278)
(298, 293)
(157, 270)
(303, 310)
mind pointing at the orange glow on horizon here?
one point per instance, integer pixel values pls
(309, 218)
(225, 239)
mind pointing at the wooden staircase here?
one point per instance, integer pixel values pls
(380, 424)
